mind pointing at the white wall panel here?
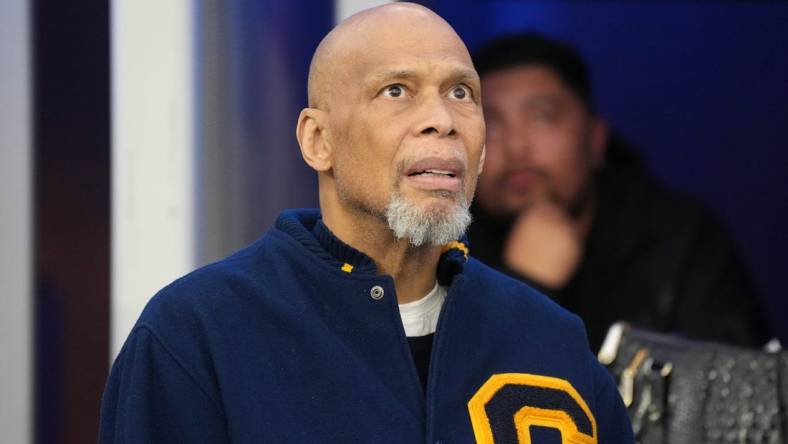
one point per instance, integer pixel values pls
(153, 164)
(345, 8)
(16, 224)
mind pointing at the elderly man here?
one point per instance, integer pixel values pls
(366, 321)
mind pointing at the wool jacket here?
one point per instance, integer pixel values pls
(297, 339)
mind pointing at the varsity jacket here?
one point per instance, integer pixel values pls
(297, 339)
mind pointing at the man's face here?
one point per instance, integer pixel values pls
(540, 142)
(407, 123)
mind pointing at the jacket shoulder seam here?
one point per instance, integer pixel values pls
(180, 364)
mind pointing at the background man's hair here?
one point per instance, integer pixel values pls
(531, 48)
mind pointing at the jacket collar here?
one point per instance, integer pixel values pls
(306, 226)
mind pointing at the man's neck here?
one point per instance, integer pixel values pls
(412, 268)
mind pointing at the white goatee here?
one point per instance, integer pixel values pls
(435, 226)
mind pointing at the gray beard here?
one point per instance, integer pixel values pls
(427, 226)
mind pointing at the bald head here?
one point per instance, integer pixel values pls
(347, 46)
(394, 127)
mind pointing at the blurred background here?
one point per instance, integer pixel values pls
(141, 139)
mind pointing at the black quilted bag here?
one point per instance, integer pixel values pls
(679, 391)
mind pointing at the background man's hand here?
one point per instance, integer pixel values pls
(544, 245)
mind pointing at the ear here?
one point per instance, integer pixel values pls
(481, 160)
(600, 133)
(311, 135)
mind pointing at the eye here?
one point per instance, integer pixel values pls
(460, 92)
(393, 91)
(545, 114)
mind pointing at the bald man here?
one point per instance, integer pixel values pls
(366, 321)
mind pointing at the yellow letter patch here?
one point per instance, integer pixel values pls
(508, 404)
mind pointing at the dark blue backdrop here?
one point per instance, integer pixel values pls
(700, 87)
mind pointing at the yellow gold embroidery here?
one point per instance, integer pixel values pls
(458, 246)
(531, 415)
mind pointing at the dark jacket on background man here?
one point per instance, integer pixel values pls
(653, 258)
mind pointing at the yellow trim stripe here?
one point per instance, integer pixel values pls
(347, 268)
(457, 245)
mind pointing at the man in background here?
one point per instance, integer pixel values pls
(571, 209)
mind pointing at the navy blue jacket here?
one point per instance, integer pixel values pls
(283, 342)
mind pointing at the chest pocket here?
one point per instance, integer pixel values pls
(505, 408)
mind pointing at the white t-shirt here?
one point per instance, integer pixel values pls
(420, 317)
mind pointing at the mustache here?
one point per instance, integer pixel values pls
(541, 173)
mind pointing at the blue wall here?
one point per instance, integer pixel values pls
(700, 87)
(271, 43)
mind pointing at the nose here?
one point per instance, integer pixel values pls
(436, 118)
(516, 142)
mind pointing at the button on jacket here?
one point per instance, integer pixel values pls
(297, 339)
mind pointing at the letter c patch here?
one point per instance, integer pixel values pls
(508, 404)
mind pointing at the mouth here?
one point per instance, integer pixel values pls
(436, 174)
(522, 180)
(432, 172)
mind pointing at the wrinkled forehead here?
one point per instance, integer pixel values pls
(400, 44)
